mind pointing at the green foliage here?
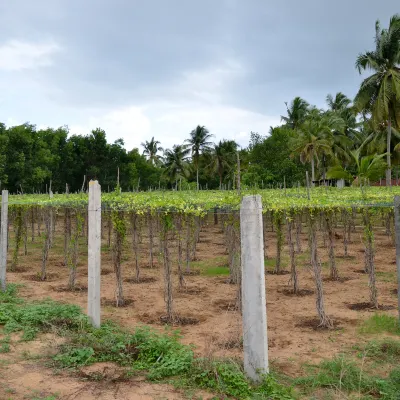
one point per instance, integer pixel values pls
(383, 351)
(345, 376)
(271, 162)
(75, 357)
(227, 377)
(51, 397)
(5, 344)
(160, 355)
(10, 295)
(380, 92)
(18, 224)
(32, 318)
(381, 323)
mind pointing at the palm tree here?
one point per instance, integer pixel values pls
(198, 143)
(338, 103)
(175, 163)
(379, 94)
(151, 149)
(297, 112)
(367, 168)
(315, 137)
(341, 106)
(224, 158)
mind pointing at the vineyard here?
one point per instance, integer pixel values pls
(174, 258)
(164, 228)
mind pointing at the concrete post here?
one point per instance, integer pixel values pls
(397, 231)
(94, 252)
(3, 238)
(255, 340)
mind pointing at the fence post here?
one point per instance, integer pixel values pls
(94, 252)
(3, 238)
(255, 342)
(397, 231)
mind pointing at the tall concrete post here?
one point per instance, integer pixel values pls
(255, 341)
(3, 239)
(397, 231)
(94, 252)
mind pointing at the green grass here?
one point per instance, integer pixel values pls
(386, 276)
(159, 356)
(5, 344)
(215, 271)
(343, 375)
(383, 351)
(381, 323)
(51, 397)
(212, 267)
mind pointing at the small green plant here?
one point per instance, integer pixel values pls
(51, 397)
(5, 344)
(75, 357)
(31, 318)
(380, 323)
(228, 378)
(383, 351)
(342, 375)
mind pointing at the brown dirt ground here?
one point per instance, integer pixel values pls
(292, 342)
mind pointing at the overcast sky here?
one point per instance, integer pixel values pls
(143, 68)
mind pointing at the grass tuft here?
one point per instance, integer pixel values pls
(381, 323)
(384, 351)
(342, 375)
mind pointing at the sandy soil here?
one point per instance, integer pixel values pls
(292, 341)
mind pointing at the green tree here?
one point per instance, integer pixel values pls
(151, 149)
(175, 163)
(296, 113)
(315, 137)
(269, 160)
(3, 156)
(224, 158)
(379, 94)
(138, 167)
(338, 103)
(364, 169)
(198, 143)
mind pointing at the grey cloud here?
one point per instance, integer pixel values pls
(123, 52)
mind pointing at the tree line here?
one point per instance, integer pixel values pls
(353, 139)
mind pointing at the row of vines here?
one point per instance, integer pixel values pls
(169, 237)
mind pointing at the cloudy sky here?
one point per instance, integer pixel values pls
(142, 68)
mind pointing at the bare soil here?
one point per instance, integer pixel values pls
(206, 299)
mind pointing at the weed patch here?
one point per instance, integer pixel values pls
(345, 376)
(159, 356)
(381, 323)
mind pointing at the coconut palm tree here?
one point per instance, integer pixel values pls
(296, 113)
(175, 163)
(338, 103)
(224, 158)
(366, 168)
(341, 106)
(151, 149)
(379, 94)
(198, 143)
(315, 137)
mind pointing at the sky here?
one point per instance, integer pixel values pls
(143, 68)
